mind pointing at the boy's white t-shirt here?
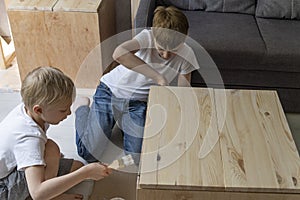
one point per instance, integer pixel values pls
(126, 83)
(22, 142)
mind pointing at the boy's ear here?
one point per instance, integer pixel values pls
(37, 109)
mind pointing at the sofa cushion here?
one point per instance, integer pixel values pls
(282, 40)
(248, 78)
(287, 9)
(233, 40)
(144, 14)
(238, 6)
(183, 4)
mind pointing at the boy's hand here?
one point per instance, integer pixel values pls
(98, 171)
(162, 81)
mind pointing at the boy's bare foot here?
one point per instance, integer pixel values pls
(80, 101)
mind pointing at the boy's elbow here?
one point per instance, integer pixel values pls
(115, 55)
(119, 53)
(37, 195)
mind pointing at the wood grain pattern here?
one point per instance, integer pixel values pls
(178, 138)
(256, 142)
(148, 194)
(254, 158)
(77, 5)
(64, 40)
(42, 5)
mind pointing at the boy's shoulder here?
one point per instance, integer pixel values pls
(185, 49)
(17, 121)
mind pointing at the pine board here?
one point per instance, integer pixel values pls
(248, 153)
(42, 5)
(77, 5)
(257, 147)
(148, 194)
(64, 40)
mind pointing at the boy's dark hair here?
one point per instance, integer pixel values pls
(170, 27)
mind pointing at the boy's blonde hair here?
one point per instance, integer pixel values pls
(46, 86)
(170, 27)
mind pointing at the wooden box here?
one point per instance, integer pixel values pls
(215, 144)
(62, 33)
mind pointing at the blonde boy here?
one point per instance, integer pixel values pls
(30, 163)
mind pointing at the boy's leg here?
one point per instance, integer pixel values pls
(67, 165)
(52, 158)
(79, 102)
(14, 186)
(133, 122)
(81, 119)
(94, 125)
(76, 165)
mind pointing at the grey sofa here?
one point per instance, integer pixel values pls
(254, 43)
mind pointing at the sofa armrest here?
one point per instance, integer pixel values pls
(144, 14)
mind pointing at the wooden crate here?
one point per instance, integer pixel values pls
(217, 144)
(62, 33)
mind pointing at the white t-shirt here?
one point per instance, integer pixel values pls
(126, 83)
(22, 141)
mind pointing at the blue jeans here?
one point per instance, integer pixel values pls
(14, 186)
(94, 125)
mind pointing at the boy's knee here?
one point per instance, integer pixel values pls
(76, 165)
(52, 149)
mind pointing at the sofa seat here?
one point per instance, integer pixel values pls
(248, 78)
(287, 87)
(232, 40)
(282, 41)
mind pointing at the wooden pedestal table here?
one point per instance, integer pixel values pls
(62, 33)
(217, 144)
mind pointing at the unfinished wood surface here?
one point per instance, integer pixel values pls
(177, 122)
(42, 5)
(66, 40)
(77, 6)
(257, 147)
(249, 151)
(148, 194)
(59, 39)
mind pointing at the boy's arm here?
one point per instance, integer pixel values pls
(125, 55)
(184, 80)
(40, 188)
